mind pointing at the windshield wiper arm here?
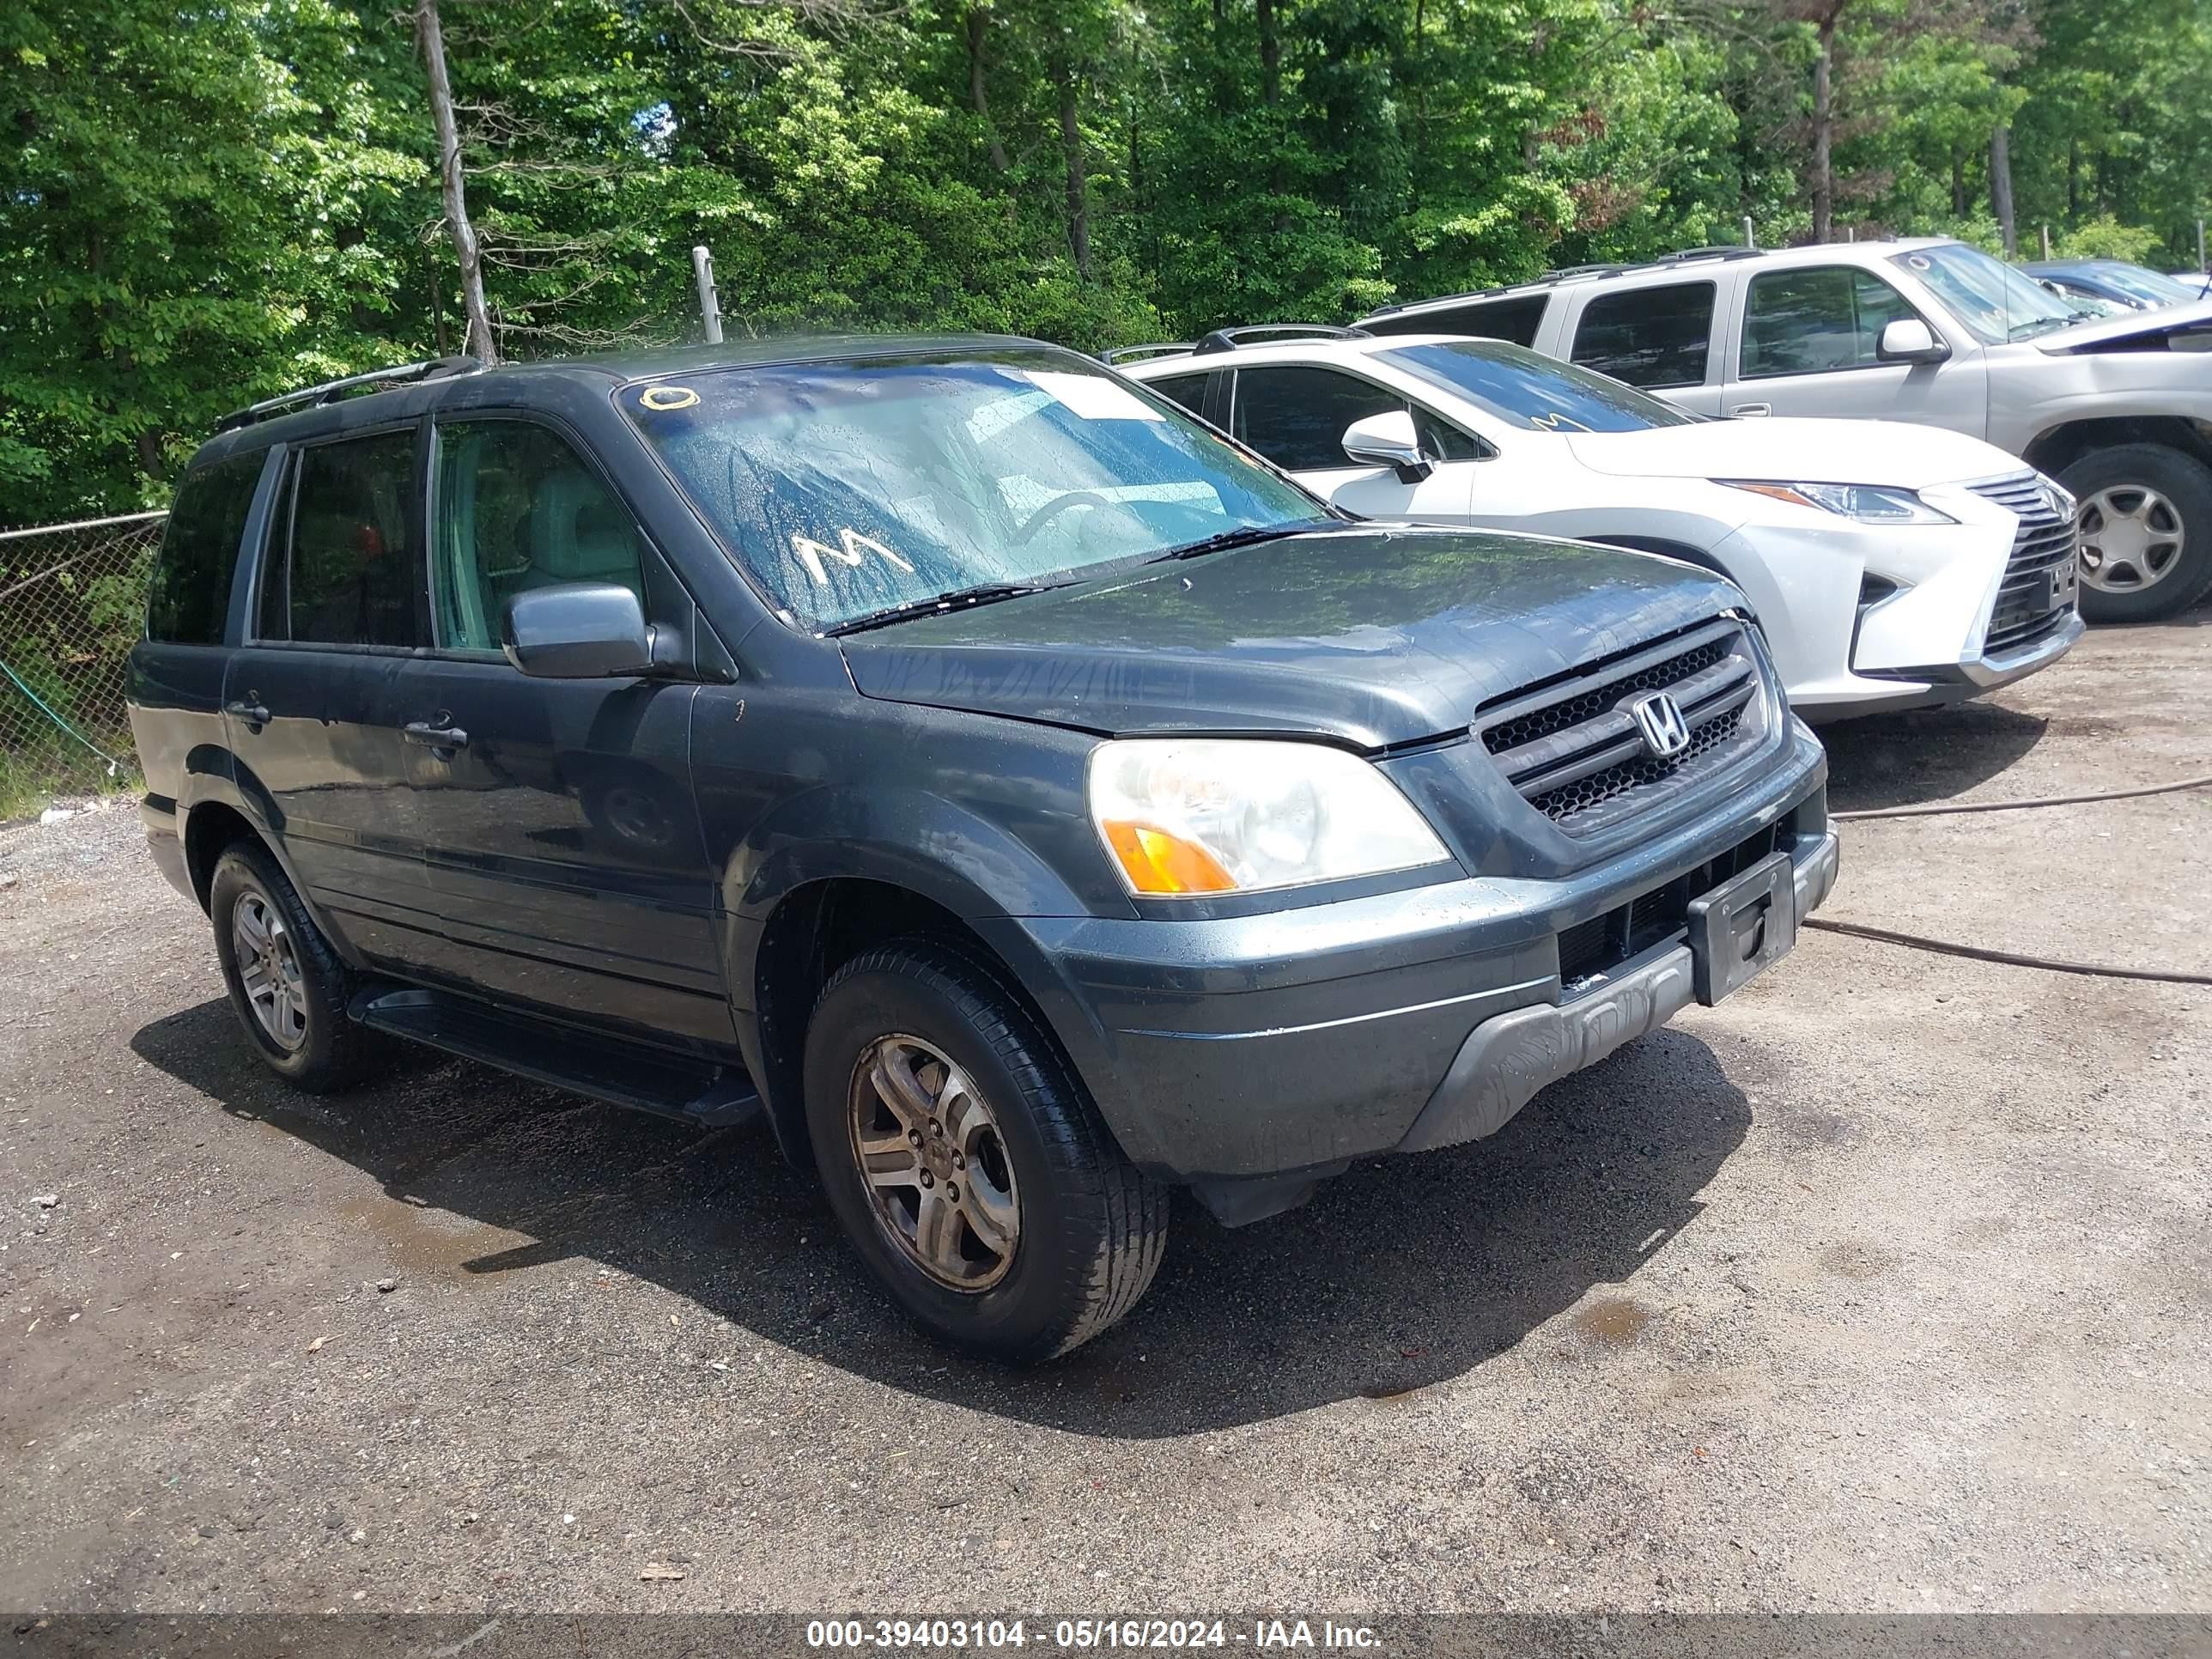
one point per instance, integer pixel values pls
(1245, 535)
(959, 598)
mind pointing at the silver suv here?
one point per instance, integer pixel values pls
(2119, 410)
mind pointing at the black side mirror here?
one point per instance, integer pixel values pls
(579, 631)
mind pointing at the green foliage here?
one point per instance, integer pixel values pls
(2106, 238)
(208, 205)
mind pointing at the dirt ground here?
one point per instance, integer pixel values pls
(1881, 1287)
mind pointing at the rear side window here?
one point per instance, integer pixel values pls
(1296, 417)
(355, 573)
(518, 509)
(1517, 319)
(1816, 320)
(190, 597)
(1649, 336)
(1188, 390)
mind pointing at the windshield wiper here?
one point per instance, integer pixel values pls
(959, 598)
(2035, 325)
(1244, 536)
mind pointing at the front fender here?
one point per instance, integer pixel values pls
(980, 870)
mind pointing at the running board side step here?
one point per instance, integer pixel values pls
(646, 1080)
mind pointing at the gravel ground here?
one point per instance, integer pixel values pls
(1881, 1287)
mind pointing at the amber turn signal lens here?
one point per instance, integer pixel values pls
(1156, 862)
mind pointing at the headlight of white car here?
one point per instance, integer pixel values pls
(1198, 815)
(1868, 503)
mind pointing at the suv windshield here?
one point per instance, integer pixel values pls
(1994, 301)
(848, 489)
(1532, 391)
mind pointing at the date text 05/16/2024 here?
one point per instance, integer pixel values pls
(1126, 1633)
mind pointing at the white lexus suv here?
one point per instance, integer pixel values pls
(2118, 409)
(1892, 566)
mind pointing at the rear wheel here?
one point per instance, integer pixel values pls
(286, 982)
(2146, 517)
(966, 1164)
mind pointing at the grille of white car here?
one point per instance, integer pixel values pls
(1574, 753)
(2037, 594)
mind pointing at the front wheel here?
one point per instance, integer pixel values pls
(2146, 517)
(966, 1164)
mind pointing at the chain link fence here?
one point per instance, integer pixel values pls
(72, 599)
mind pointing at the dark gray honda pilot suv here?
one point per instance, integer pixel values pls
(1024, 796)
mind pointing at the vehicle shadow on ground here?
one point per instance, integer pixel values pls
(1926, 755)
(1404, 1273)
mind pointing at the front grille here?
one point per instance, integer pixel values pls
(1573, 750)
(2030, 603)
(1604, 942)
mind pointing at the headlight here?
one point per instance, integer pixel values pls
(1868, 503)
(1242, 815)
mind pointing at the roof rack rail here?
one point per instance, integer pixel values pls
(1467, 295)
(329, 391)
(1603, 268)
(1718, 250)
(1228, 339)
(1125, 354)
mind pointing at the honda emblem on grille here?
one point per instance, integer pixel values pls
(1659, 718)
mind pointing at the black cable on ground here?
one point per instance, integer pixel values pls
(2007, 958)
(1943, 947)
(1945, 808)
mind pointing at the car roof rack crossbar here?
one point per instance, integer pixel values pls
(1228, 339)
(331, 391)
(1129, 353)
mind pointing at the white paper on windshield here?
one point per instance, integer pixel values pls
(1092, 396)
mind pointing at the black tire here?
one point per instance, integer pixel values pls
(1092, 1226)
(333, 1053)
(2186, 482)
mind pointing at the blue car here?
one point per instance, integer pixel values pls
(2136, 286)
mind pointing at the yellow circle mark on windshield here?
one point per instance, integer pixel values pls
(665, 398)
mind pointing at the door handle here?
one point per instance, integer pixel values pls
(250, 709)
(443, 740)
(1753, 408)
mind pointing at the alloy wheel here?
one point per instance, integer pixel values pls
(935, 1165)
(2132, 538)
(269, 969)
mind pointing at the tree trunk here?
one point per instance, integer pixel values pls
(480, 340)
(2000, 185)
(979, 19)
(1824, 122)
(1958, 185)
(1078, 176)
(1271, 54)
(2073, 180)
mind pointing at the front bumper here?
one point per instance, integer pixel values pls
(1505, 1060)
(1843, 652)
(1251, 1055)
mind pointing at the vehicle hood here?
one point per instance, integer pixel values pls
(2138, 330)
(1369, 634)
(1786, 450)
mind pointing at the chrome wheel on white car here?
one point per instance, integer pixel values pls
(2132, 538)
